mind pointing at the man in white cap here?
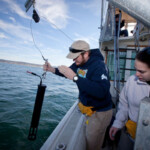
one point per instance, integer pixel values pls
(90, 75)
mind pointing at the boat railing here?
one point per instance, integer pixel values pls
(69, 133)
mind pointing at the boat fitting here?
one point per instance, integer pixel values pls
(61, 146)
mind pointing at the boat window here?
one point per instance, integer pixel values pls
(124, 60)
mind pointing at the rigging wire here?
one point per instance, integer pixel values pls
(35, 43)
(58, 28)
(52, 23)
(46, 60)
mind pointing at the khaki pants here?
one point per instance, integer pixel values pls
(96, 128)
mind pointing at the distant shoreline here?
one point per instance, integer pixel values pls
(20, 63)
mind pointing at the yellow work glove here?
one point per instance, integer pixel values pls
(131, 128)
(86, 109)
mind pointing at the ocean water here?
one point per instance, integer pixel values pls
(17, 97)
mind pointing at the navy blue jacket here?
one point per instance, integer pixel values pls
(93, 82)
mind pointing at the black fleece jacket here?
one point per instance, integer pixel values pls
(93, 82)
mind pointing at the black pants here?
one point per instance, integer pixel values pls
(125, 142)
(124, 32)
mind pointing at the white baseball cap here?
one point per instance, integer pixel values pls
(77, 48)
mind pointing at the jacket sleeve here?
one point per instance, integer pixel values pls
(58, 73)
(73, 67)
(123, 108)
(122, 23)
(97, 86)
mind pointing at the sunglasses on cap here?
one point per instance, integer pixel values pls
(75, 50)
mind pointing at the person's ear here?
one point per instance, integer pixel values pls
(86, 54)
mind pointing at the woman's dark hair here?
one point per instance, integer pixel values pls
(144, 56)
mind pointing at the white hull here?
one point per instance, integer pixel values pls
(69, 132)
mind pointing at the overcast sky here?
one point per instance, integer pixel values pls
(77, 19)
